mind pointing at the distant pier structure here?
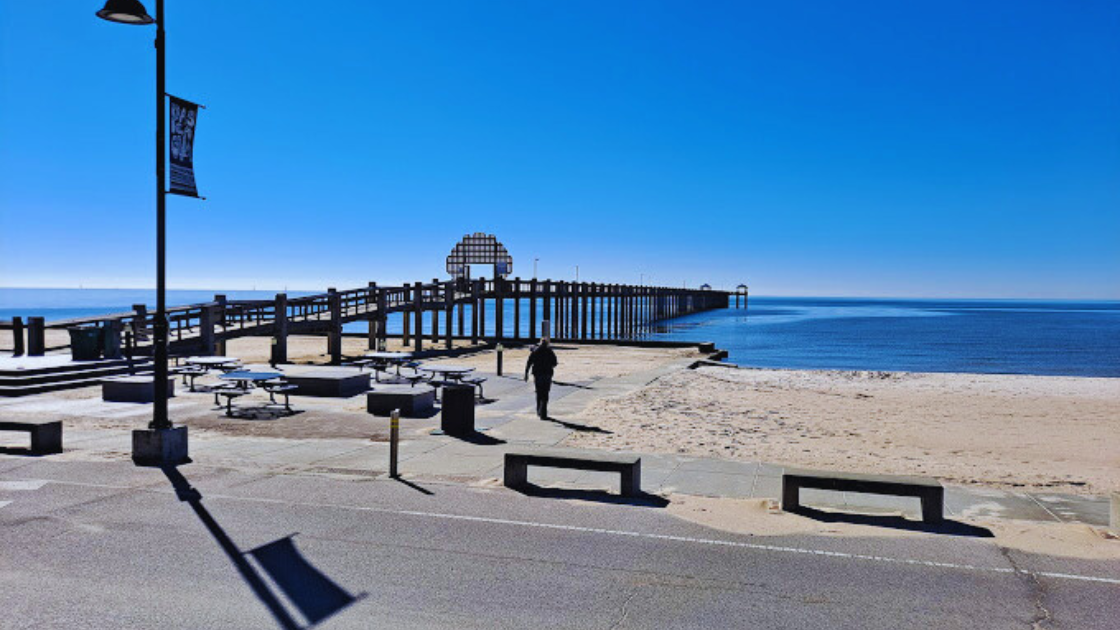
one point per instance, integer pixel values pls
(741, 292)
(483, 310)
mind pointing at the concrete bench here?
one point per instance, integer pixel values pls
(46, 437)
(134, 389)
(928, 489)
(412, 401)
(630, 466)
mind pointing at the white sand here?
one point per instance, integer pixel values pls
(581, 363)
(1031, 432)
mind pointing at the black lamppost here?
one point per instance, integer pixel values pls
(161, 444)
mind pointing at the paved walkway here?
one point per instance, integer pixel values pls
(509, 422)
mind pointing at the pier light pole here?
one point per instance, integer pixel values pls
(161, 444)
(535, 261)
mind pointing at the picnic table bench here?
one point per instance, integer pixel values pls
(46, 437)
(418, 377)
(477, 381)
(192, 372)
(280, 387)
(230, 392)
(359, 363)
(927, 489)
(629, 466)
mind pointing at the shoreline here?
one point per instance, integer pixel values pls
(743, 366)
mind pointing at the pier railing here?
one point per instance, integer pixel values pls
(455, 309)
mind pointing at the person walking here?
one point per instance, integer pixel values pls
(542, 361)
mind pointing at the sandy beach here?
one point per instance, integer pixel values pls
(1006, 431)
(1034, 433)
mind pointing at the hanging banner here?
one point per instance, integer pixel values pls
(184, 117)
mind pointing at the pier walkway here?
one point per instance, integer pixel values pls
(457, 309)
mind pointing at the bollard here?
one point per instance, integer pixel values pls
(36, 337)
(17, 334)
(1114, 514)
(500, 349)
(394, 439)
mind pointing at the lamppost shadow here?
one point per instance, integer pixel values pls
(314, 594)
(413, 485)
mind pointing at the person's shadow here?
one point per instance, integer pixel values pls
(315, 595)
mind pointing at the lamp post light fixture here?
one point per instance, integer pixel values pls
(535, 261)
(161, 444)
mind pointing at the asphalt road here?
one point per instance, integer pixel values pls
(107, 545)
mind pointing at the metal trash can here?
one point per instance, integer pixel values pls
(111, 339)
(85, 343)
(457, 410)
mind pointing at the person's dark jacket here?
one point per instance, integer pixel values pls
(542, 361)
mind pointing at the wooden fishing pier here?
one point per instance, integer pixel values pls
(458, 309)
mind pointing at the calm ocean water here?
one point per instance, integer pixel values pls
(985, 336)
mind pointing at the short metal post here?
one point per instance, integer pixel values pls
(17, 334)
(500, 349)
(1114, 514)
(36, 337)
(394, 440)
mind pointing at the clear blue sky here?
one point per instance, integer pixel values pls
(946, 149)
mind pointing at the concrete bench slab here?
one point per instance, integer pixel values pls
(412, 401)
(327, 382)
(46, 437)
(629, 466)
(135, 389)
(927, 489)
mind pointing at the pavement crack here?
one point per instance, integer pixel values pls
(1042, 617)
(625, 608)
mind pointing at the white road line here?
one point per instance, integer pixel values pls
(685, 539)
(27, 484)
(3, 503)
(649, 536)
